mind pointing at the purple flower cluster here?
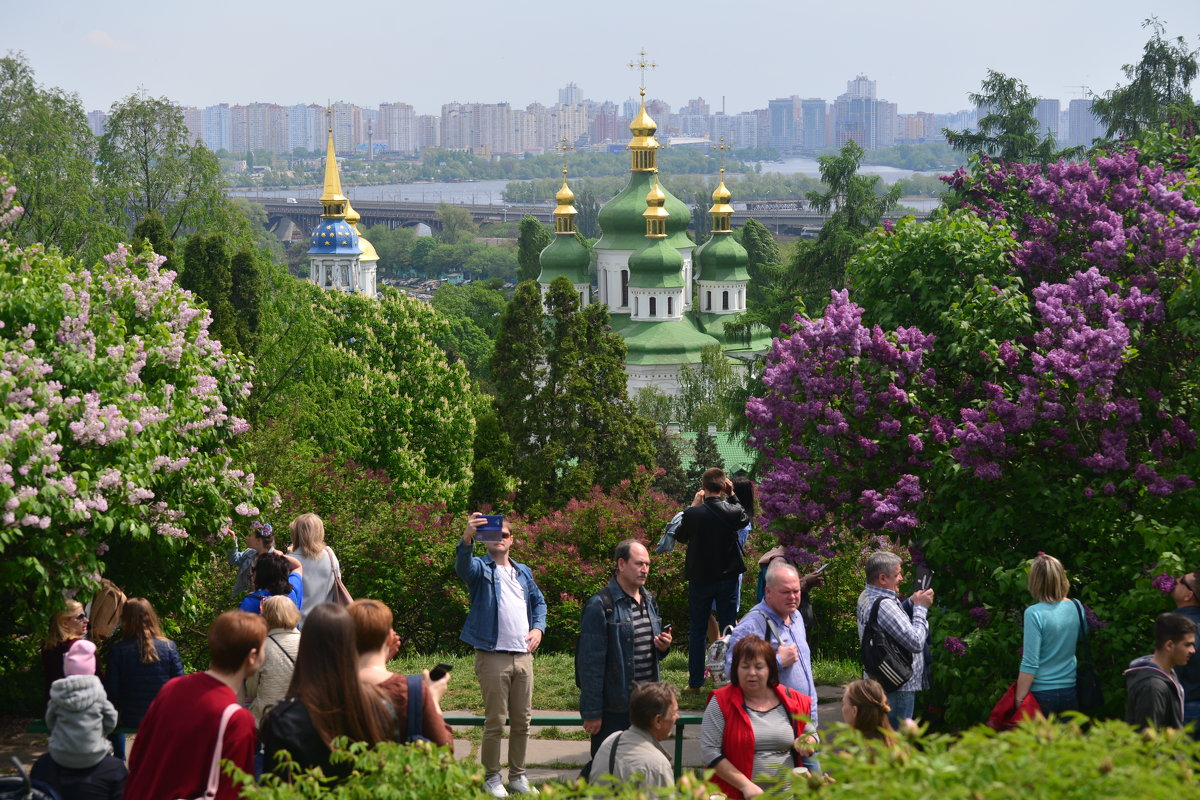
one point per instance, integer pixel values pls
(980, 616)
(955, 646)
(1164, 583)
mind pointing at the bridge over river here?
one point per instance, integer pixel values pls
(791, 218)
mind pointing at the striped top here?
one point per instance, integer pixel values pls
(643, 642)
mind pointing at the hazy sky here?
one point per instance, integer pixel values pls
(926, 55)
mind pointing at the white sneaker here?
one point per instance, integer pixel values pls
(521, 786)
(495, 786)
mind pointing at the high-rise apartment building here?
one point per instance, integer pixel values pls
(192, 120)
(1047, 113)
(429, 131)
(306, 127)
(782, 132)
(812, 123)
(396, 128)
(1083, 126)
(885, 123)
(348, 128)
(855, 120)
(97, 122)
(216, 127)
(862, 87)
(570, 95)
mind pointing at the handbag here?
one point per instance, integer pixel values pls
(883, 659)
(214, 771)
(337, 592)
(1005, 715)
(1088, 692)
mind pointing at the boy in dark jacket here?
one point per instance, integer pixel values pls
(1155, 698)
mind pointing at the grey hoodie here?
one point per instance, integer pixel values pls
(79, 717)
(1155, 698)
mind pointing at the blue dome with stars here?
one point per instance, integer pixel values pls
(334, 237)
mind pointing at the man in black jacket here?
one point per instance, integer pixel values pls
(714, 562)
(1155, 698)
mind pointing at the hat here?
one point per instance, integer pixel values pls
(80, 659)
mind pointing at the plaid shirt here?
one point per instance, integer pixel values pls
(908, 633)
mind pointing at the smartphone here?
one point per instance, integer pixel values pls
(922, 578)
(492, 530)
(666, 628)
(438, 672)
(820, 569)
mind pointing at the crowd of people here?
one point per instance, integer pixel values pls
(299, 664)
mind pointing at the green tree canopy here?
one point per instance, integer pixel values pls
(1159, 87)
(1009, 130)
(532, 240)
(458, 226)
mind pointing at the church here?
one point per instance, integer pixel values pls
(650, 274)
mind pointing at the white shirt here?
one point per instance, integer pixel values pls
(512, 613)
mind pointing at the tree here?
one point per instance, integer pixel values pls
(121, 453)
(458, 226)
(705, 456)
(1159, 87)
(207, 274)
(1009, 131)
(672, 481)
(531, 241)
(422, 255)
(153, 230)
(587, 222)
(704, 389)
(655, 405)
(246, 299)
(517, 372)
(147, 163)
(50, 150)
(762, 253)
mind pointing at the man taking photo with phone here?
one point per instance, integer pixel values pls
(505, 625)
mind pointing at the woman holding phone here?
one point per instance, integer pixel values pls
(1051, 634)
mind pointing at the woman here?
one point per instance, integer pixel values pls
(66, 627)
(274, 574)
(376, 644)
(865, 708)
(751, 733)
(1051, 633)
(318, 560)
(326, 699)
(140, 663)
(269, 685)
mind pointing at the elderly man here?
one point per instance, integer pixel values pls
(635, 755)
(883, 583)
(777, 621)
(621, 641)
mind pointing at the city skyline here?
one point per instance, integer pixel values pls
(277, 53)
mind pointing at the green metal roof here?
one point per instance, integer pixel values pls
(714, 326)
(721, 258)
(737, 456)
(624, 226)
(657, 265)
(565, 256)
(666, 342)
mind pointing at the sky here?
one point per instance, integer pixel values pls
(925, 55)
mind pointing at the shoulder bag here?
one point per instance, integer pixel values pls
(1088, 691)
(214, 770)
(337, 592)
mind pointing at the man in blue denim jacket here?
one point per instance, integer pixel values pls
(620, 645)
(505, 625)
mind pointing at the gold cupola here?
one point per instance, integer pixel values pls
(333, 202)
(564, 213)
(721, 211)
(643, 144)
(368, 249)
(656, 213)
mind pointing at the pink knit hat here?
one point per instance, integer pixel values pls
(80, 659)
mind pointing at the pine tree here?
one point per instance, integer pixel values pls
(492, 481)
(531, 241)
(206, 274)
(246, 298)
(673, 482)
(518, 373)
(153, 229)
(706, 456)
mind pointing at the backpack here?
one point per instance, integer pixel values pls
(606, 600)
(714, 659)
(883, 659)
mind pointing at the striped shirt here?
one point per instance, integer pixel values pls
(643, 641)
(910, 634)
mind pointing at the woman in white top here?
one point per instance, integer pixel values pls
(320, 564)
(269, 685)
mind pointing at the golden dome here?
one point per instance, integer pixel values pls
(721, 197)
(368, 249)
(565, 196)
(564, 214)
(643, 125)
(655, 213)
(353, 217)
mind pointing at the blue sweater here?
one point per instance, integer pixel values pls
(132, 685)
(1051, 634)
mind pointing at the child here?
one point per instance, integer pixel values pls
(1155, 696)
(77, 761)
(260, 540)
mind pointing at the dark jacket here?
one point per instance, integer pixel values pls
(710, 532)
(1154, 697)
(1189, 674)
(606, 652)
(288, 726)
(132, 685)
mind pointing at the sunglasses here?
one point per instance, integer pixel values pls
(81, 618)
(1187, 585)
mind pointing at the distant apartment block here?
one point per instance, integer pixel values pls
(1047, 113)
(396, 128)
(1082, 124)
(97, 122)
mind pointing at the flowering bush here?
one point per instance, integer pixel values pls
(118, 438)
(1041, 398)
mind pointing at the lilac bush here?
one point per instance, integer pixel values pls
(1015, 375)
(118, 450)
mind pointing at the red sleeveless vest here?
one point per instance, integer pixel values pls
(738, 743)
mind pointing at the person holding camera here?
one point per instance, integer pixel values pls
(504, 624)
(710, 528)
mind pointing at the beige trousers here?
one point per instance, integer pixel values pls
(506, 681)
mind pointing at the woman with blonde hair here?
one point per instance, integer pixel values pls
(66, 627)
(319, 562)
(865, 708)
(141, 663)
(1051, 633)
(269, 685)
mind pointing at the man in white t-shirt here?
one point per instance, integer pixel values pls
(505, 625)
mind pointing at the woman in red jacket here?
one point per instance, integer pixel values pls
(754, 727)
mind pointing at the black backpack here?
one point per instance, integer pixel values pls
(883, 659)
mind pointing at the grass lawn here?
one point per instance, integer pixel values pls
(554, 680)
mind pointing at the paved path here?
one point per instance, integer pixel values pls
(561, 760)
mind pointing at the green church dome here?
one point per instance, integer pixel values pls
(657, 265)
(662, 342)
(623, 225)
(566, 257)
(721, 258)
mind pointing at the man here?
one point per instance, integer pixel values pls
(1155, 698)
(621, 641)
(714, 562)
(1187, 604)
(505, 625)
(173, 751)
(883, 581)
(635, 755)
(777, 621)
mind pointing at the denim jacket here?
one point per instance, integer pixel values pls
(605, 654)
(482, 627)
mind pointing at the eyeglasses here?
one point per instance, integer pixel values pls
(81, 618)
(1187, 585)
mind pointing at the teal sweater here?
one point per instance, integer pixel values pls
(1051, 631)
